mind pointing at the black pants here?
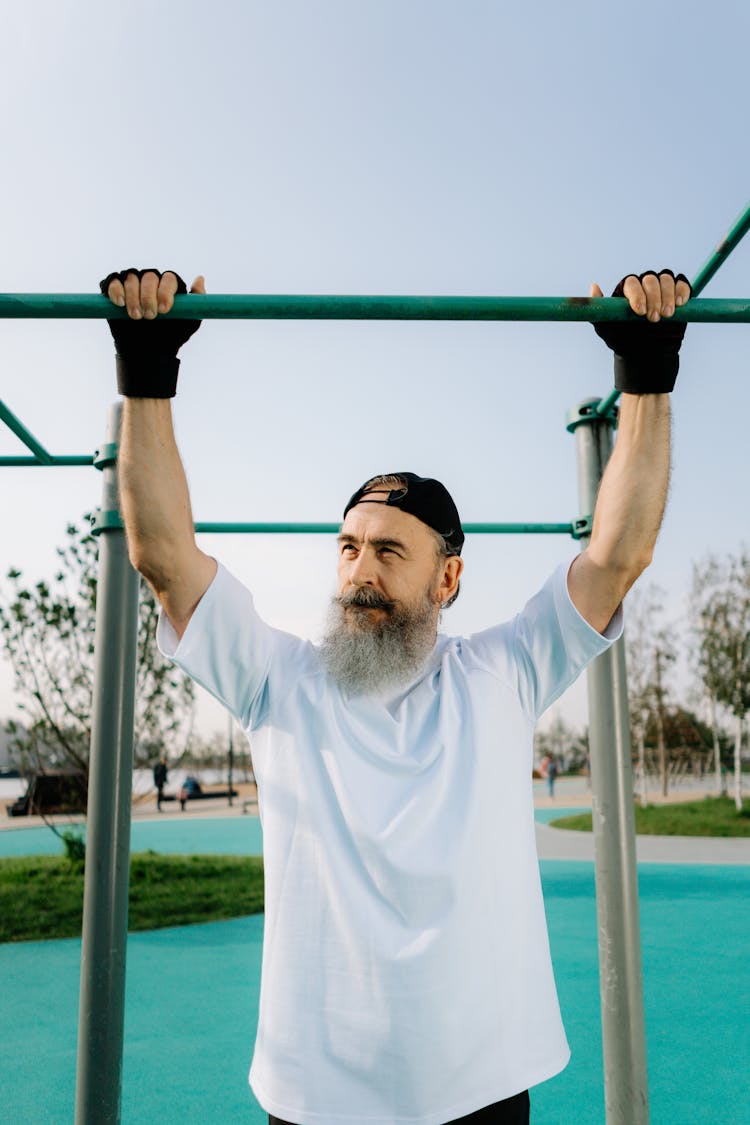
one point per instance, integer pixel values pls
(510, 1111)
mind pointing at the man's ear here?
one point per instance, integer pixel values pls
(453, 566)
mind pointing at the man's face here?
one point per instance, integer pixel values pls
(392, 581)
(389, 556)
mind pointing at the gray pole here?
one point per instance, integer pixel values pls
(620, 973)
(231, 757)
(105, 906)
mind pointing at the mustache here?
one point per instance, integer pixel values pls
(366, 598)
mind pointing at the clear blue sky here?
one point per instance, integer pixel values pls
(381, 147)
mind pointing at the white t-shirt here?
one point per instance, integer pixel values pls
(406, 972)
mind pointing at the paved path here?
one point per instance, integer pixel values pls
(552, 843)
(560, 843)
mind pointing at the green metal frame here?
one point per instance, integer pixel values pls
(107, 454)
(310, 307)
(104, 930)
(41, 456)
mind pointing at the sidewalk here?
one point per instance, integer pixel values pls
(144, 808)
(570, 791)
(560, 843)
(552, 843)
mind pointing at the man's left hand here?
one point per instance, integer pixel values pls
(646, 352)
(655, 295)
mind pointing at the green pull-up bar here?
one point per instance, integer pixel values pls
(233, 306)
(246, 306)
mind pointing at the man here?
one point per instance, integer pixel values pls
(406, 972)
(160, 780)
(549, 771)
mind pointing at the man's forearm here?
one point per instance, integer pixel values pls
(633, 491)
(154, 494)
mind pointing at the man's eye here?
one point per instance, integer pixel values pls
(348, 548)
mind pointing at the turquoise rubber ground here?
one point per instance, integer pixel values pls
(191, 836)
(192, 995)
(237, 835)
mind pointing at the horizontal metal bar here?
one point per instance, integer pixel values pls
(235, 306)
(53, 462)
(41, 456)
(333, 528)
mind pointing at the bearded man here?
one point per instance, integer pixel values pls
(406, 972)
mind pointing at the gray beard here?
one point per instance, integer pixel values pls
(366, 657)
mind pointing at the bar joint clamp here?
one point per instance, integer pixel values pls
(582, 527)
(105, 456)
(586, 413)
(106, 521)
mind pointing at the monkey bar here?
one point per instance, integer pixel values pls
(101, 1018)
(249, 306)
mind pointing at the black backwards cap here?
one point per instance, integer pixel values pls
(427, 499)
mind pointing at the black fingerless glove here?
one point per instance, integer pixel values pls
(646, 354)
(147, 362)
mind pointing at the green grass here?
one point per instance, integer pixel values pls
(712, 816)
(42, 896)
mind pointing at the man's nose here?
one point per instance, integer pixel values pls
(362, 572)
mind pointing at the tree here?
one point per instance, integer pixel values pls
(687, 741)
(47, 630)
(649, 649)
(721, 624)
(708, 656)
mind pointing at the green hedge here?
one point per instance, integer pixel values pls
(42, 896)
(712, 816)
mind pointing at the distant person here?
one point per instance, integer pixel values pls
(160, 780)
(189, 788)
(551, 775)
(406, 970)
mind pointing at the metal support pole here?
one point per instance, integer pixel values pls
(620, 972)
(105, 907)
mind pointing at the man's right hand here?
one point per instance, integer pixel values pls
(147, 363)
(154, 497)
